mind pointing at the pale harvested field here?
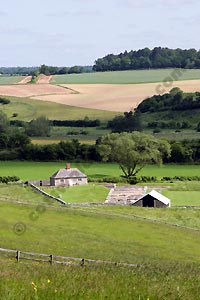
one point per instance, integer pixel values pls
(114, 97)
(110, 97)
(44, 79)
(28, 90)
(25, 80)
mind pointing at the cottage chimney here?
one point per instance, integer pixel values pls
(68, 166)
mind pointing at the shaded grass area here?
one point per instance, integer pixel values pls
(28, 109)
(164, 281)
(132, 76)
(10, 79)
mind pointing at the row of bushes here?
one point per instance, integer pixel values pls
(4, 101)
(143, 179)
(7, 179)
(181, 178)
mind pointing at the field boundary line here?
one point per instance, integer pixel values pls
(67, 88)
(46, 194)
(56, 259)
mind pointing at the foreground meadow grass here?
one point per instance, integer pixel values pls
(37, 281)
(167, 256)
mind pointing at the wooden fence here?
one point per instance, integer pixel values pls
(55, 259)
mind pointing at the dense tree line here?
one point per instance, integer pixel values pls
(174, 100)
(44, 69)
(76, 123)
(17, 70)
(53, 70)
(19, 148)
(129, 122)
(169, 124)
(146, 58)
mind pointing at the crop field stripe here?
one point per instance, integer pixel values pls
(125, 77)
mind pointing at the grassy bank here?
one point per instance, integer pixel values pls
(28, 109)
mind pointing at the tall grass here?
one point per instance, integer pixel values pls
(153, 282)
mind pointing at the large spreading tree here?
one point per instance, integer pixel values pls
(133, 151)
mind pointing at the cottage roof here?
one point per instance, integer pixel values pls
(68, 173)
(157, 196)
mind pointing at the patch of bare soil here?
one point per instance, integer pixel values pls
(28, 90)
(43, 79)
(25, 80)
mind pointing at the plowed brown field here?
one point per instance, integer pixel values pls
(28, 90)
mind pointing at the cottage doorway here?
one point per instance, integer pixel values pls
(148, 201)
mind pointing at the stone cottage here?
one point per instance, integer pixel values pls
(68, 177)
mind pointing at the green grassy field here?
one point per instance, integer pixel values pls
(23, 193)
(117, 77)
(28, 109)
(98, 235)
(10, 79)
(77, 194)
(27, 170)
(167, 256)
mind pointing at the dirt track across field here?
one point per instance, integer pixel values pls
(25, 80)
(43, 79)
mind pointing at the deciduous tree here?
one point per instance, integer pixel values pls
(132, 151)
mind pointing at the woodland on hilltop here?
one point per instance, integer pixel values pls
(156, 58)
(146, 58)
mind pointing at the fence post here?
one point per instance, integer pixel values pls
(51, 259)
(18, 256)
